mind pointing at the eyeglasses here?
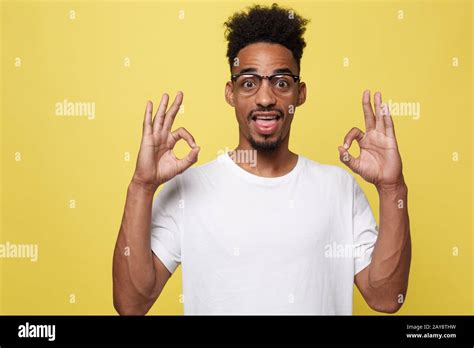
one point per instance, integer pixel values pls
(248, 84)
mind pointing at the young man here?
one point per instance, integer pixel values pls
(282, 235)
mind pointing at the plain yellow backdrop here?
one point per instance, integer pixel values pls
(118, 54)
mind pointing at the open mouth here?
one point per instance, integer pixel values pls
(266, 123)
(266, 118)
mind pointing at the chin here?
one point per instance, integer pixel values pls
(265, 143)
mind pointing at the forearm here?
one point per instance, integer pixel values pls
(390, 265)
(133, 271)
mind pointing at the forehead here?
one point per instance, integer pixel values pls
(265, 58)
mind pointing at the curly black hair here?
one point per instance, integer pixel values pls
(266, 24)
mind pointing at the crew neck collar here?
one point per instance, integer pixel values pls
(262, 179)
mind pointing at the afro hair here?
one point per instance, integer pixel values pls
(265, 24)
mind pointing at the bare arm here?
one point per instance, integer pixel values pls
(384, 283)
(138, 275)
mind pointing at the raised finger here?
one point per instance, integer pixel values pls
(388, 121)
(368, 112)
(147, 128)
(160, 113)
(379, 121)
(173, 110)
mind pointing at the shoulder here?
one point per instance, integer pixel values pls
(199, 174)
(327, 172)
(207, 168)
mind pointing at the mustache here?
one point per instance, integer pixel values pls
(251, 113)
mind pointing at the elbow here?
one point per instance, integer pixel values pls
(386, 300)
(125, 307)
(127, 310)
(388, 306)
(389, 309)
(127, 303)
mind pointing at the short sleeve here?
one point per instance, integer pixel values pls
(365, 229)
(166, 224)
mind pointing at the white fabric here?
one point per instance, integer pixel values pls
(254, 245)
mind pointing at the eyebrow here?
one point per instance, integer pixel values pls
(276, 71)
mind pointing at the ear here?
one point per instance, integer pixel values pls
(301, 94)
(229, 93)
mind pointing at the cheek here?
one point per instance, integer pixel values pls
(291, 107)
(289, 113)
(242, 109)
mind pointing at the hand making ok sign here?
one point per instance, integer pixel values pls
(379, 161)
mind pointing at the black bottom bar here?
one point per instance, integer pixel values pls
(165, 331)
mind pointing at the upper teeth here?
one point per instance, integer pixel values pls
(266, 117)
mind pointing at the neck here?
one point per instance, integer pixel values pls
(266, 164)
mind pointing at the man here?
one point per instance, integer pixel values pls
(282, 235)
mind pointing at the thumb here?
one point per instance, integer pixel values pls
(189, 160)
(347, 159)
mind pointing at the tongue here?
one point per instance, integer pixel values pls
(265, 123)
(266, 126)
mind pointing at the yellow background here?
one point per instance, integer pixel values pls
(82, 59)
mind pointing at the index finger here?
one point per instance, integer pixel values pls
(173, 110)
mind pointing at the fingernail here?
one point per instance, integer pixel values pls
(346, 146)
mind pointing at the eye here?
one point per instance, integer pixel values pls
(282, 83)
(248, 84)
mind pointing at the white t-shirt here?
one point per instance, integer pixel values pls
(256, 245)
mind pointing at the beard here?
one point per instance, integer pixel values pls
(267, 146)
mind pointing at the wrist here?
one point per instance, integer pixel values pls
(137, 186)
(396, 187)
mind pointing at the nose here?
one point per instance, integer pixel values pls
(265, 96)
